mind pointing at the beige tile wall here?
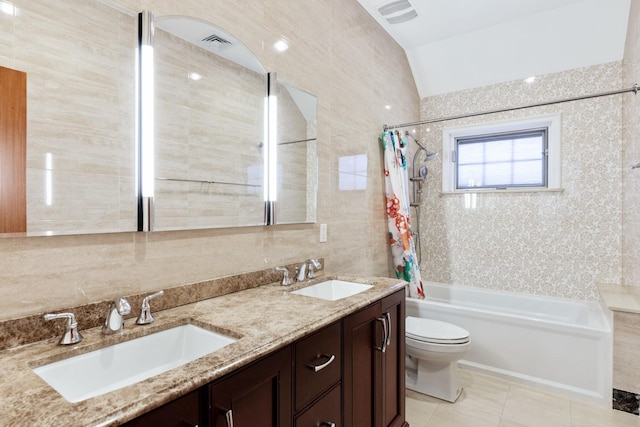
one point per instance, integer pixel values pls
(556, 244)
(338, 53)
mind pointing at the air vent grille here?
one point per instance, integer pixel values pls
(398, 11)
(394, 7)
(403, 18)
(216, 40)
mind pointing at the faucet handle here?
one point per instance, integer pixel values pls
(71, 334)
(145, 310)
(286, 280)
(313, 263)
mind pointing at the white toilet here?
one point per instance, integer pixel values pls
(433, 351)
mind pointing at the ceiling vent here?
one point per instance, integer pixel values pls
(398, 11)
(393, 7)
(403, 18)
(216, 40)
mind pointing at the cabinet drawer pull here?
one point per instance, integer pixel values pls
(317, 368)
(326, 423)
(385, 331)
(229, 416)
(389, 328)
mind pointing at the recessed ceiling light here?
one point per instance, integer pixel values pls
(387, 107)
(281, 45)
(530, 79)
(194, 76)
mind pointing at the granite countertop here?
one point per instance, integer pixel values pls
(620, 298)
(263, 319)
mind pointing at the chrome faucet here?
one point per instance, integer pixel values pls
(114, 322)
(306, 270)
(71, 334)
(301, 272)
(145, 316)
(286, 280)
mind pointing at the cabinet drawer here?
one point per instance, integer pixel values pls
(318, 364)
(324, 413)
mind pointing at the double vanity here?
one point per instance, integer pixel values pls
(329, 351)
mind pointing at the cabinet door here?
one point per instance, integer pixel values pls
(361, 362)
(257, 396)
(373, 379)
(182, 412)
(393, 362)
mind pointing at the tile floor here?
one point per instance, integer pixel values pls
(492, 402)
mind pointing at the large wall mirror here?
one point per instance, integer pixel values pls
(79, 61)
(80, 92)
(210, 133)
(209, 126)
(297, 156)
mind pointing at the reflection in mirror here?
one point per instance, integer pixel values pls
(297, 156)
(209, 128)
(80, 112)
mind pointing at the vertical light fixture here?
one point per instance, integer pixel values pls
(270, 150)
(145, 121)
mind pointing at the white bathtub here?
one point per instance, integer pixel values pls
(559, 344)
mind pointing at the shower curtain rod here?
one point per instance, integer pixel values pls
(633, 89)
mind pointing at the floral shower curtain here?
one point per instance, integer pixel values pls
(398, 206)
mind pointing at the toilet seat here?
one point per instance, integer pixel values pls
(435, 332)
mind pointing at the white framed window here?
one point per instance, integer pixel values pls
(514, 155)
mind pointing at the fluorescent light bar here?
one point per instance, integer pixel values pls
(147, 122)
(273, 148)
(271, 140)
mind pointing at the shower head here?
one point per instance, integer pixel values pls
(429, 155)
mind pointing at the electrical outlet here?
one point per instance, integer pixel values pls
(323, 233)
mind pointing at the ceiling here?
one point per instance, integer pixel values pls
(461, 44)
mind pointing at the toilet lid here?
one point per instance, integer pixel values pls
(435, 331)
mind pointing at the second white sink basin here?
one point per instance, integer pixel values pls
(333, 290)
(101, 371)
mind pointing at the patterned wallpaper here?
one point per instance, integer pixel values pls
(547, 243)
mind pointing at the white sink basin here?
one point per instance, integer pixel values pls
(101, 371)
(332, 290)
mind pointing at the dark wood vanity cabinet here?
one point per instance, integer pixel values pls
(182, 412)
(373, 376)
(256, 396)
(350, 373)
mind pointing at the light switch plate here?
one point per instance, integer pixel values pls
(323, 233)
